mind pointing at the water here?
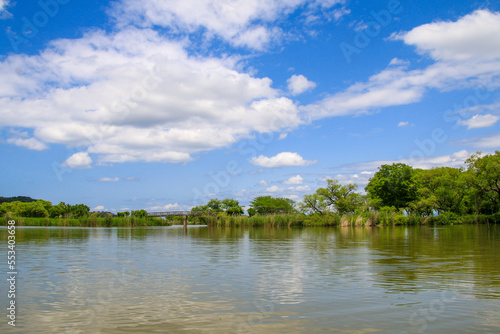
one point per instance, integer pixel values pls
(257, 280)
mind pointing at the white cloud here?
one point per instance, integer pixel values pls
(281, 160)
(30, 143)
(3, 12)
(274, 189)
(466, 55)
(298, 84)
(283, 136)
(398, 62)
(480, 121)
(134, 96)
(294, 180)
(242, 23)
(300, 188)
(492, 142)
(456, 159)
(166, 207)
(98, 208)
(403, 124)
(263, 183)
(80, 160)
(109, 179)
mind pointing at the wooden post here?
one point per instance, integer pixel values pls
(185, 217)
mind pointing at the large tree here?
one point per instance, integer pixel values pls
(264, 205)
(393, 185)
(483, 173)
(336, 197)
(441, 189)
(313, 203)
(214, 206)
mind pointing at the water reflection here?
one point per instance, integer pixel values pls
(266, 280)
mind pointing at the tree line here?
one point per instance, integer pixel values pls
(33, 208)
(400, 189)
(397, 188)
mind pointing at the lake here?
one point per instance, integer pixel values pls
(417, 279)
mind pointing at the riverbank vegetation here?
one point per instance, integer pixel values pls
(397, 194)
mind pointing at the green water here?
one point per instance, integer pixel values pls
(257, 280)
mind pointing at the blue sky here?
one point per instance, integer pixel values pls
(162, 105)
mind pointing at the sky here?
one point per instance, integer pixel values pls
(164, 104)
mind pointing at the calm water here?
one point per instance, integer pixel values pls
(218, 280)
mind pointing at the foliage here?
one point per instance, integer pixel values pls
(139, 213)
(268, 205)
(123, 214)
(230, 206)
(439, 189)
(23, 199)
(483, 174)
(393, 185)
(313, 204)
(397, 194)
(340, 198)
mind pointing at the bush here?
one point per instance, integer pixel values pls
(446, 218)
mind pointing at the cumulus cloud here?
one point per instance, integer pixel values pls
(166, 207)
(471, 37)
(242, 23)
(98, 208)
(263, 183)
(480, 121)
(298, 84)
(294, 180)
(80, 160)
(492, 142)
(403, 124)
(29, 143)
(466, 54)
(274, 189)
(300, 188)
(456, 159)
(135, 96)
(283, 159)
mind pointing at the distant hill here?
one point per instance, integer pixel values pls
(16, 199)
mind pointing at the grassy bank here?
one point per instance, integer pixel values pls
(88, 221)
(385, 218)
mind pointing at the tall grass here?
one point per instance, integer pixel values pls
(87, 221)
(386, 216)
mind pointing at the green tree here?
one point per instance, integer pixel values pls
(313, 203)
(483, 173)
(214, 206)
(35, 209)
(140, 213)
(60, 210)
(251, 212)
(393, 185)
(340, 198)
(79, 210)
(232, 207)
(123, 214)
(264, 205)
(441, 189)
